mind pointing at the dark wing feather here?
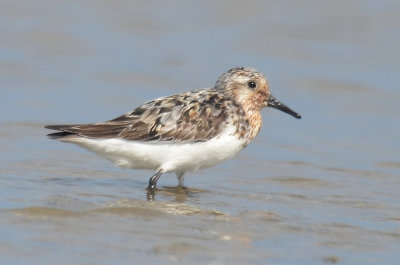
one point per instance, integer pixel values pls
(194, 116)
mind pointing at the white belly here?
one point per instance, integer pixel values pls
(170, 157)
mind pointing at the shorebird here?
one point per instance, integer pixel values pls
(184, 132)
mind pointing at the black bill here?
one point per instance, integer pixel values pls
(274, 103)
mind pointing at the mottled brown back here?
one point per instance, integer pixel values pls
(191, 117)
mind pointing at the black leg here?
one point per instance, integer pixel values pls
(152, 185)
(180, 178)
(153, 180)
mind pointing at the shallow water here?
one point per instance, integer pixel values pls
(324, 189)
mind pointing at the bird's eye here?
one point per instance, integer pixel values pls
(251, 84)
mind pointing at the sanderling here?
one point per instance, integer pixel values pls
(184, 132)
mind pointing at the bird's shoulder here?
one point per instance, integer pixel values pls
(194, 116)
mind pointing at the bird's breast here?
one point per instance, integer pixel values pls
(247, 124)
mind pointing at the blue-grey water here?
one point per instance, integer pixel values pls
(321, 190)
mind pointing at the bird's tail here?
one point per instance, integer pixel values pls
(62, 131)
